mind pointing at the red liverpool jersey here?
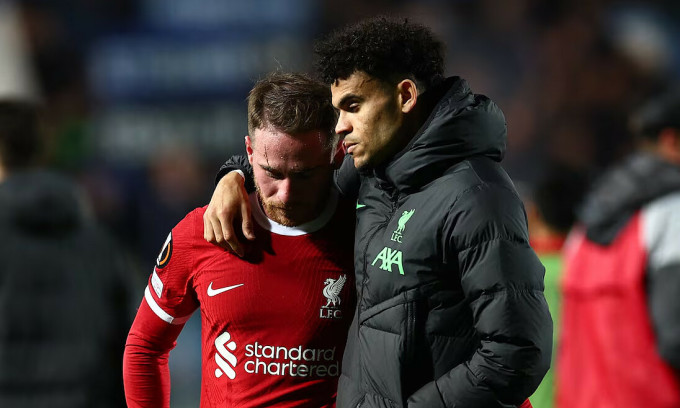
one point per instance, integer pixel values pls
(274, 324)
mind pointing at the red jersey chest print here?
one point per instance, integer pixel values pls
(274, 324)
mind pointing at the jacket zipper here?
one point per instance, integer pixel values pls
(370, 238)
(363, 280)
(410, 330)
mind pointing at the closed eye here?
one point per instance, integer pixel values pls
(272, 173)
(303, 175)
(350, 103)
(306, 174)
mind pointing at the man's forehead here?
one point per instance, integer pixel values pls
(298, 162)
(287, 167)
(358, 84)
(271, 135)
(275, 145)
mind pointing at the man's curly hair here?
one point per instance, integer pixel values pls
(384, 48)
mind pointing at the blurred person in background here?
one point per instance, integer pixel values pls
(551, 211)
(451, 309)
(65, 287)
(274, 323)
(620, 334)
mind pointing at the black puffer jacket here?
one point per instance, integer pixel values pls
(451, 311)
(622, 191)
(65, 299)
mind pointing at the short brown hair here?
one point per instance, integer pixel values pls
(292, 103)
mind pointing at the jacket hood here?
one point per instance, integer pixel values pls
(640, 179)
(41, 203)
(461, 125)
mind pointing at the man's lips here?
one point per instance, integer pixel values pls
(349, 146)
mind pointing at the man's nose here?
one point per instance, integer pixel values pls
(343, 126)
(284, 190)
(290, 190)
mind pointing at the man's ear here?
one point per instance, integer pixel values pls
(339, 155)
(249, 149)
(408, 95)
(669, 144)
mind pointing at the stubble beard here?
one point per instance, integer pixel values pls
(276, 211)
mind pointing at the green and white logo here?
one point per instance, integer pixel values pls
(388, 258)
(398, 233)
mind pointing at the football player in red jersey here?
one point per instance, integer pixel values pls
(274, 322)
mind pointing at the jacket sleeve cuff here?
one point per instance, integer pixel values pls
(240, 164)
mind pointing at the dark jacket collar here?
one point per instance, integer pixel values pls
(623, 190)
(461, 125)
(40, 202)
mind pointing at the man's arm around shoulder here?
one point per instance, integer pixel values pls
(230, 203)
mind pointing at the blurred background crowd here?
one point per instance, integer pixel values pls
(144, 99)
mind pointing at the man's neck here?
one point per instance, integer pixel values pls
(428, 100)
(411, 125)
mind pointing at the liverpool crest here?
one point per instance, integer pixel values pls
(397, 234)
(331, 291)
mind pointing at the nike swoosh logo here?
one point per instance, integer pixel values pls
(360, 206)
(213, 292)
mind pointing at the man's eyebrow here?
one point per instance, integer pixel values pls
(305, 170)
(298, 171)
(268, 168)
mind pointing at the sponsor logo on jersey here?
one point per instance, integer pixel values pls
(275, 360)
(156, 283)
(166, 253)
(389, 257)
(397, 234)
(331, 310)
(213, 292)
(224, 357)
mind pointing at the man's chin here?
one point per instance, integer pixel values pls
(360, 163)
(284, 217)
(285, 221)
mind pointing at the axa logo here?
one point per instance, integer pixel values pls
(225, 358)
(331, 310)
(389, 257)
(398, 233)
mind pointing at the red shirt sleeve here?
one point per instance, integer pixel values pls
(146, 375)
(169, 300)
